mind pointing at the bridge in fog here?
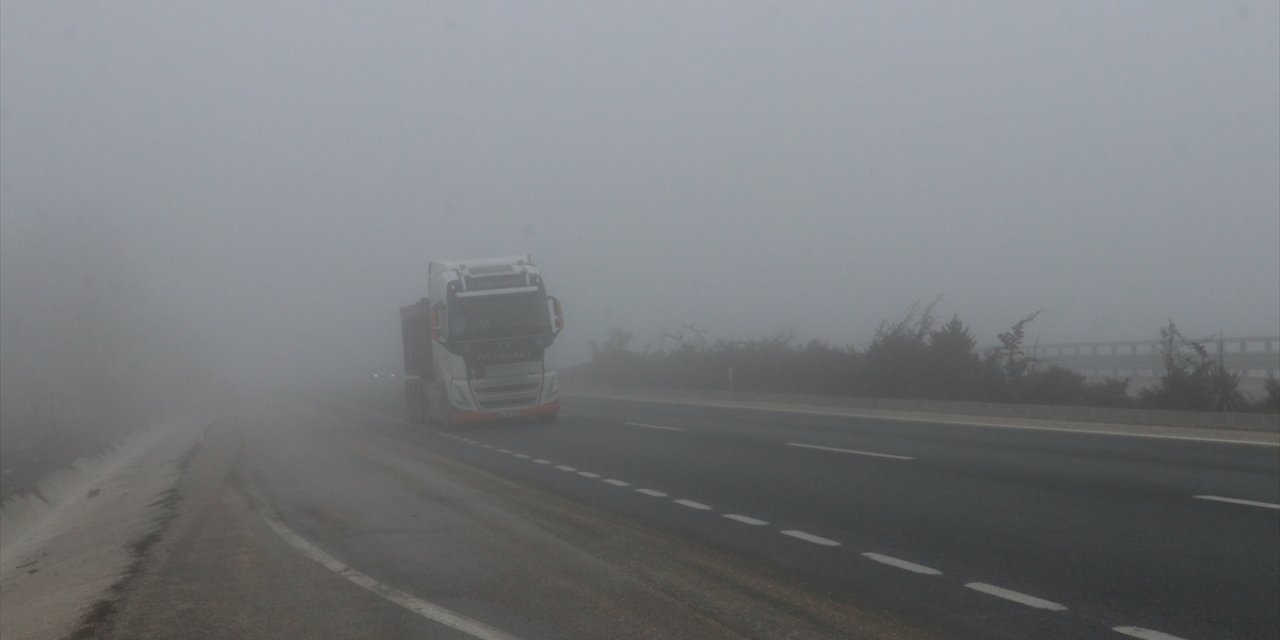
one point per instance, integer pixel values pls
(1254, 358)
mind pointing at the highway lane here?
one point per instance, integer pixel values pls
(1106, 527)
(330, 516)
(395, 510)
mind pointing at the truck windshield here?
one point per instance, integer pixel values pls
(499, 316)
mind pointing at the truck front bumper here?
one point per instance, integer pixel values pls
(470, 417)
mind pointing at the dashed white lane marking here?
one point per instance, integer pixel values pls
(1248, 503)
(1145, 634)
(902, 564)
(853, 451)
(692, 505)
(588, 474)
(521, 456)
(504, 451)
(651, 492)
(755, 522)
(541, 461)
(616, 483)
(565, 467)
(429, 610)
(1014, 596)
(487, 446)
(809, 537)
(652, 426)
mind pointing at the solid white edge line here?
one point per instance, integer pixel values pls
(1145, 634)
(809, 537)
(755, 522)
(692, 505)
(426, 609)
(1248, 503)
(652, 426)
(902, 564)
(1014, 596)
(853, 451)
(652, 492)
(617, 483)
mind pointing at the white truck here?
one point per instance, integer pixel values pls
(475, 347)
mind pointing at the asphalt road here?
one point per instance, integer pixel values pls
(629, 519)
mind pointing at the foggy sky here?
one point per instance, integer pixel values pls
(281, 173)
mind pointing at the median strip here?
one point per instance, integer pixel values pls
(1014, 596)
(851, 451)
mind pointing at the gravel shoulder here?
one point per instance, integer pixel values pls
(69, 547)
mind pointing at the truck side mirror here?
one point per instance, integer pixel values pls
(557, 313)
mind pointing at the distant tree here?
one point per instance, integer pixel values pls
(1109, 392)
(954, 369)
(1192, 380)
(896, 361)
(1271, 402)
(612, 362)
(1010, 355)
(1054, 385)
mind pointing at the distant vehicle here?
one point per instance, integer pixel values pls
(475, 347)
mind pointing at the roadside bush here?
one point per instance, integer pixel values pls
(1271, 402)
(1192, 379)
(914, 356)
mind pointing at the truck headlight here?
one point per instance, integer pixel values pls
(550, 390)
(460, 396)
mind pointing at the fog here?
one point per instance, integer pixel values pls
(250, 190)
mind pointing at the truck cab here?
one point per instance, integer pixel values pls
(475, 348)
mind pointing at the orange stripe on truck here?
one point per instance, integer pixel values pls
(470, 417)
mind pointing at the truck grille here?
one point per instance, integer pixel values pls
(507, 394)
